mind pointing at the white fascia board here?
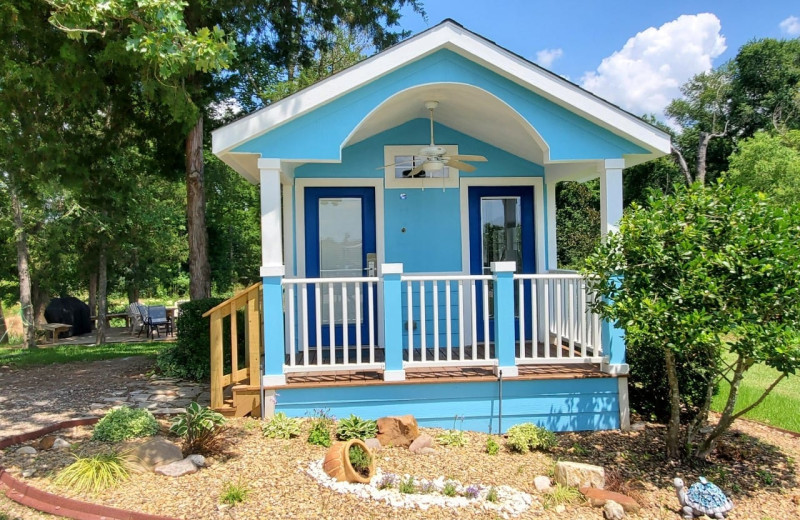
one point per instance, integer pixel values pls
(453, 37)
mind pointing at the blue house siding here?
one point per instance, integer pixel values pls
(559, 405)
(568, 135)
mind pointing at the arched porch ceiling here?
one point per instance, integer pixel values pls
(466, 108)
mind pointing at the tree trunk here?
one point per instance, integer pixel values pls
(133, 294)
(674, 425)
(23, 263)
(40, 298)
(93, 294)
(199, 268)
(102, 300)
(702, 151)
(3, 328)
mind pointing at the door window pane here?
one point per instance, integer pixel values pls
(501, 229)
(341, 249)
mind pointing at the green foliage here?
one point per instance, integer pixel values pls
(577, 221)
(281, 427)
(528, 437)
(492, 446)
(449, 489)
(360, 460)
(408, 487)
(320, 433)
(770, 164)
(94, 474)
(200, 428)
(190, 357)
(560, 495)
(491, 495)
(234, 493)
(354, 427)
(454, 437)
(125, 423)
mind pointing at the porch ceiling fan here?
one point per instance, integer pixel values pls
(435, 158)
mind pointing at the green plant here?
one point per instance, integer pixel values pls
(125, 423)
(200, 428)
(449, 489)
(190, 357)
(559, 495)
(354, 427)
(234, 493)
(527, 437)
(491, 495)
(453, 437)
(320, 433)
(578, 449)
(766, 477)
(492, 447)
(95, 473)
(407, 486)
(281, 427)
(360, 459)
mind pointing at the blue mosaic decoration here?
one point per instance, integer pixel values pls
(706, 494)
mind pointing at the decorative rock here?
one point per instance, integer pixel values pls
(28, 473)
(60, 444)
(155, 452)
(638, 426)
(374, 445)
(421, 442)
(613, 511)
(198, 460)
(427, 451)
(560, 508)
(46, 442)
(542, 483)
(177, 469)
(397, 430)
(577, 474)
(26, 450)
(599, 498)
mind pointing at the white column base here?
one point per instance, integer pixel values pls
(620, 369)
(394, 375)
(507, 371)
(273, 380)
(624, 405)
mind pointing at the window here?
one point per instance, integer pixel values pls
(403, 159)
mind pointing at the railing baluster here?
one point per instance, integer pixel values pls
(461, 320)
(559, 325)
(448, 325)
(234, 342)
(318, 319)
(423, 337)
(584, 310)
(290, 308)
(521, 314)
(486, 335)
(473, 297)
(546, 309)
(371, 314)
(435, 285)
(345, 327)
(331, 325)
(410, 321)
(534, 318)
(571, 317)
(304, 305)
(358, 322)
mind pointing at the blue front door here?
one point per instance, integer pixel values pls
(340, 243)
(500, 230)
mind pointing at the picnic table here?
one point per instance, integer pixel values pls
(111, 315)
(55, 329)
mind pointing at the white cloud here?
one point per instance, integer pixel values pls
(546, 57)
(790, 26)
(646, 74)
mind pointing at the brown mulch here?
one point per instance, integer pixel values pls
(754, 463)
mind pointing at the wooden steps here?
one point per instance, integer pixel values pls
(242, 400)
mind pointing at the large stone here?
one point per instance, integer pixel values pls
(397, 430)
(374, 445)
(542, 483)
(46, 442)
(177, 469)
(420, 443)
(198, 460)
(613, 511)
(26, 450)
(599, 497)
(154, 452)
(577, 474)
(60, 444)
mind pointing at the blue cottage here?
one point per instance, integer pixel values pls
(409, 244)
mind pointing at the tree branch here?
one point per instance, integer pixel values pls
(682, 164)
(760, 399)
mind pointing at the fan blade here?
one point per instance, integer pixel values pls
(416, 171)
(474, 158)
(464, 167)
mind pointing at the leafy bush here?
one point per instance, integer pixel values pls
(355, 427)
(234, 493)
(190, 357)
(125, 423)
(454, 437)
(95, 473)
(281, 427)
(360, 459)
(320, 433)
(528, 437)
(200, 428)
(492, 448)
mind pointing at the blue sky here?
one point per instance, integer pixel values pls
(650, 48)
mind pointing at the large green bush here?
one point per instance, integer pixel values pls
(125, 423)
(190, 356)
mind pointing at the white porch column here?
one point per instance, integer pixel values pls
(611, 195)
(271, 239)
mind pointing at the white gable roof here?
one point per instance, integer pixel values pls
(452, 36)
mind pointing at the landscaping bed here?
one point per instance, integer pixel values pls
(755, 465)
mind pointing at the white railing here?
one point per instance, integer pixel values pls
(563, 327)
(339, 310)
(441, 315)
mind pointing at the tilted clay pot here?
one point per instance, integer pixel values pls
(337, 462)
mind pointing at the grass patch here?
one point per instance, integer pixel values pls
(234, 493)
(780, 406)
(95, 473)
(19, 357)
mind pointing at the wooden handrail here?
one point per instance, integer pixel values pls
(226, 303)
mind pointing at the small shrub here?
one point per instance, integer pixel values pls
(355, 427)
(426, 487)
(491, 495)
(454, 437)
(472, 491)
(95, 473)
(387, 481)
(527, 437)
(190, 357)
(320, 433)
(360, 459)
(281, 427)
(200, 428)
(407, 486)
(125, 423)
(560, 495)
(234, 493)
(449, 489)
(492, 447)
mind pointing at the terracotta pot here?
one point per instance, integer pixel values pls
(337, 462)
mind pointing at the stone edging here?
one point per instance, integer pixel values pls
(43, 501)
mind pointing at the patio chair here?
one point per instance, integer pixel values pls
(143, 314)
(135, 318)
(156, 319)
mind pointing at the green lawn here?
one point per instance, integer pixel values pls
(18, 357)
(781, 406)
